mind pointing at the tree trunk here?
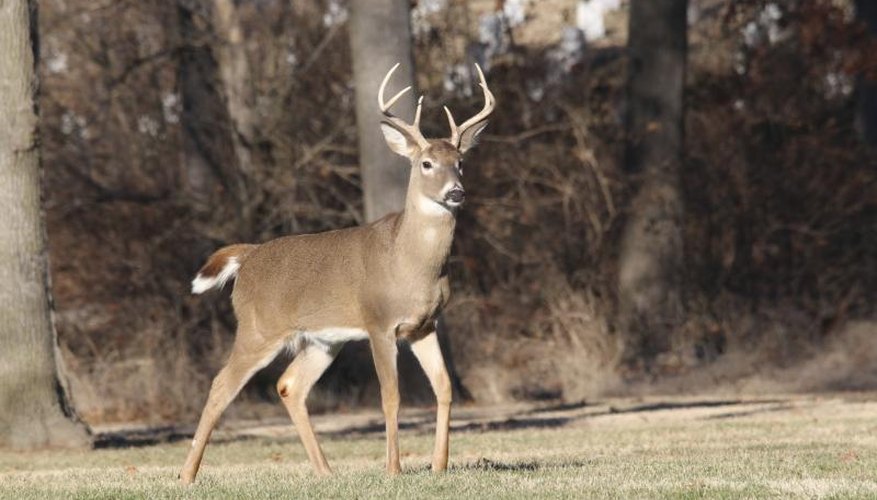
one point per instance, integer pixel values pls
(380, 36)
(651, 245)
(202, 108)
(34, 412)
(209, 171)
(240, 97)
(866, 11)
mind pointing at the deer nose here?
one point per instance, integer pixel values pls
(456, 195)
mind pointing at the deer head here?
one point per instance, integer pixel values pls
(436, 164)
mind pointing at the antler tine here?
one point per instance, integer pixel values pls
(417, 113)
(381, 104)
(455, 134)
(413, 129)
(489, 104)
(395, 98)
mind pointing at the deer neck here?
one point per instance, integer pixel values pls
(424, 236)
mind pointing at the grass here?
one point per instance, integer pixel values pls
(790, 447)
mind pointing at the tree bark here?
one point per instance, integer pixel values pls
(209, 171)
(380, 36)
(866, 11)
(651, 246)
(34, 410)
(206, 141)
(240, 98)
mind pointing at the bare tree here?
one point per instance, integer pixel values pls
(33, 406)
(240, 97)
(651, 245)
(205, 137)
(209, 166)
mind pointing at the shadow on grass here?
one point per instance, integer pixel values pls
(511, 424)
(375, 428)
(687, 405)
(578, 405)
(748, 413)
(528, 420)
(141, 437)
(170, 434)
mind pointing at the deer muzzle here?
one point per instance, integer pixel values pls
(455, 196)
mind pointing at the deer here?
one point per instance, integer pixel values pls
(385, 281)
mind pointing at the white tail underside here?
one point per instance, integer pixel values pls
(203, 283)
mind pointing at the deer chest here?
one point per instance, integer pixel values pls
(412, 310)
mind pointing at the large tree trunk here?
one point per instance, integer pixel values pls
(209, 171)
(33, 408)
(866, 11)
(240, 97)
(202, 116)
(651, 246)
(380, 36)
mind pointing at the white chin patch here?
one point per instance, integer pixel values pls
(430, 207)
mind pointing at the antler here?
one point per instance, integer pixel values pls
(489, 104)
(413, 129)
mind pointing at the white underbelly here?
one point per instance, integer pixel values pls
(327, 339)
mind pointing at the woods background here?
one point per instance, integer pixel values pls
(145, 174)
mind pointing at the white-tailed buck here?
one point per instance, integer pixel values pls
(384, 281)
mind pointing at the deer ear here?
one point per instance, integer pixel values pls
(400, 142)
(469, 138)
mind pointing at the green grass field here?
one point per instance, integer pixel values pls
(782, 447)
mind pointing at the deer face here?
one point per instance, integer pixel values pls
(437, 173)
(436, 164)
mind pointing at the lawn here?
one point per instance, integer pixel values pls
(822, 446)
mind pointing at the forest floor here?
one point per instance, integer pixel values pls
(784, 446)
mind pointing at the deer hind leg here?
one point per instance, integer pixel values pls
(429, 354)
(242, 364)
(294, 386)
(384, 352)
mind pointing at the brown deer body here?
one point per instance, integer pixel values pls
(384, 281)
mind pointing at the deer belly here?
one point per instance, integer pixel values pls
(327, 339)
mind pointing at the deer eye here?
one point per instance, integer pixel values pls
(427, 165)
